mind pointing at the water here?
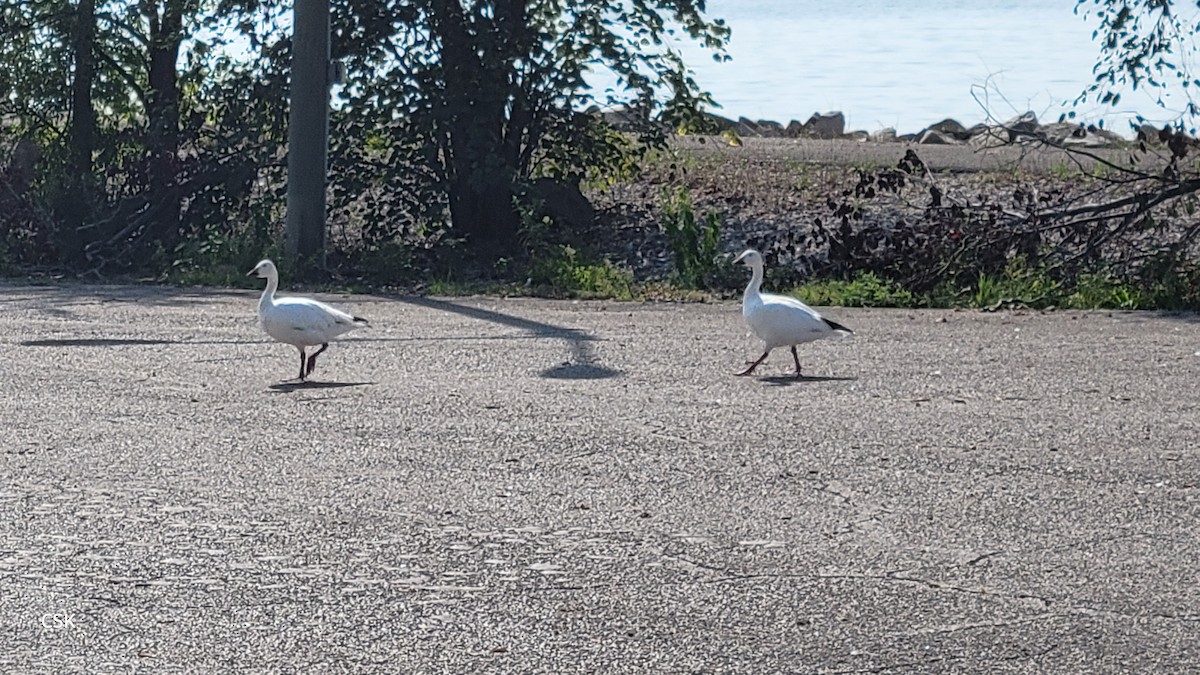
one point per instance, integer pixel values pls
(909, 63)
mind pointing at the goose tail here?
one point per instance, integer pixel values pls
(836, 326)
(361, 321)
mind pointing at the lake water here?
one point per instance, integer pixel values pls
(908, 63)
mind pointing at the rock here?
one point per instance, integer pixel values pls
(770, 128)
(886, 135)
(951, 128)
(1065, 133)
(977, 129)
(989, 137)
(624, 118)
(827, 125)
(1060, 132)
(1148, 133)
(1106, 138)
(858, 136)
(794, 129)
(907, 138)
(1021, 127)
(717, 122)
(746, 127)
(934, 137)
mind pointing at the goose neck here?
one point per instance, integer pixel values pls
(756, 279)
(268, 295)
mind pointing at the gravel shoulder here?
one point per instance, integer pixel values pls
(544, 486)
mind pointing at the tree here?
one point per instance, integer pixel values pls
(1148, 44)
(492, 93)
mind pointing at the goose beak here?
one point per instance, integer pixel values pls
(741, 257)
(252, 272)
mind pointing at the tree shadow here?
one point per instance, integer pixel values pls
(582, 362)
(95, 342)
(126, 342)
(287, 387)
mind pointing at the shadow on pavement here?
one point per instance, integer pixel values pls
(789, 380)
(128, 342)
(285, 387)
(582, 364)
(95, 342)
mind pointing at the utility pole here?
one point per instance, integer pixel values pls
(308, 135)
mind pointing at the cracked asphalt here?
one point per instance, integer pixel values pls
(494, 485)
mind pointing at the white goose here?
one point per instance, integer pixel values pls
(778, 320)
(300, 322)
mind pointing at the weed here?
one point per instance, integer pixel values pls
(864, 290)
(1063, 170)
(693, 243)
(563, 273)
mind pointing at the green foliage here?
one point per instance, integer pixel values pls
(564, 273)
(693, 241)
(1143, 43)
(447, 109)
(1017, 285)
(864, 290)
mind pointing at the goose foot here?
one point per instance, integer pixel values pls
(755, 364)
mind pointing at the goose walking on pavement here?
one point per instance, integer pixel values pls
(779, 320)
(300, 322)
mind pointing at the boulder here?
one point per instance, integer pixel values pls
(624, 118)
(746, 127)
(1148, 133)
(794, 129)
(989, 137)
(935, 137)
(951, 128)
(1068, 133)
(887, 135)
(858, 136)
(1022, 126)
(826, 125)
(770, 128)
(717, 122)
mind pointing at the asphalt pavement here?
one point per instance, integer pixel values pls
(495, 485)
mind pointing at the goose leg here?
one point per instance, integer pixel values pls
(303, 361)
(755, 364)
(796, 358)
(312, 360)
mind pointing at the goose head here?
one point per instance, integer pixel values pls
(264, 270)
(750, 258)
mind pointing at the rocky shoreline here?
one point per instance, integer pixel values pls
(1024, 128)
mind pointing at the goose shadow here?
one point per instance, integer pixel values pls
(287, 387)
(789, 380)
(582, 363)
